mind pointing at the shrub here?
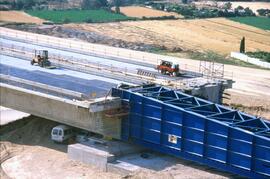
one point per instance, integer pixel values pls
(158, 18)
(260, 54)
(263, 12)
(66, 20)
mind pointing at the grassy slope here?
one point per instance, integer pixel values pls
(259, 22)
(77, 16)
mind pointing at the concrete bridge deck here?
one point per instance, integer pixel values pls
(18, 92)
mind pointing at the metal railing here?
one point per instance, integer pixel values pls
(117, 54)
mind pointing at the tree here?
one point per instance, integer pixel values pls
(28, 4)
(117, 4)
(249, 12)
(19, 5)
(102, 3)
(117, 10)
(184, 1)
(242, 46)
(86, 4)
(228, 5)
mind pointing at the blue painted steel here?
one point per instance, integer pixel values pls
(195, 129)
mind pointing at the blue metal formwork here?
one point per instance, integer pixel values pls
(195, 129)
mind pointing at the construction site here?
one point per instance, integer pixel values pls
(86, 110)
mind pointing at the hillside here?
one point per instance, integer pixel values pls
(218, 34)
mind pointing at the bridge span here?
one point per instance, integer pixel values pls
(83, 91)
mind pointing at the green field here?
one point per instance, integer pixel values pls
(77, 16)
(259, 22)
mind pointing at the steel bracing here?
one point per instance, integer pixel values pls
(195, 129)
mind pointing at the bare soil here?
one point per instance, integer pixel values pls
(31, 154)
(219, 34)
(31, 137)
(19, 16)
(139, 12)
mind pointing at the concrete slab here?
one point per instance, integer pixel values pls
(90, 155)
(135, 162)
(99, 152)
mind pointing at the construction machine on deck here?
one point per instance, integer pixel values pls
(168, 68)
(41, 58)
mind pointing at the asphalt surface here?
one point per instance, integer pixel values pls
(62, 78)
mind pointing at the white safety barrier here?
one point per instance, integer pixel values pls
(251, 60)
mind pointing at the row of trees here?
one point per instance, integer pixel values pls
(21, 4)
(86, 4)
(94, 4)
(264, 12)
(191, 11)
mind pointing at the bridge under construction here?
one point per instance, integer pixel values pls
(117, 93)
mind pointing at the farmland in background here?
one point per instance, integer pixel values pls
(259, 22)
(19, 16)
(219, 35)
(78, 16)
(139, 12)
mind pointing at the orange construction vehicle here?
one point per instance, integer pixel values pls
(168, 68)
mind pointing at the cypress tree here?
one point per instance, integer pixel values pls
(242, 46)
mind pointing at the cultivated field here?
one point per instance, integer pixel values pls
(77, 16)
(19, 16)
(219, 35)
(139, 12)
(259, 22)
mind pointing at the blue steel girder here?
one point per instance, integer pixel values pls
(196, 129)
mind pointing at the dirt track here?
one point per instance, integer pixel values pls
(218, 34)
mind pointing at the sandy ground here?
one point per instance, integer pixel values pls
(137, 11)
(49, 163)
(27, 142)
(218, 34)
(19, 16)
